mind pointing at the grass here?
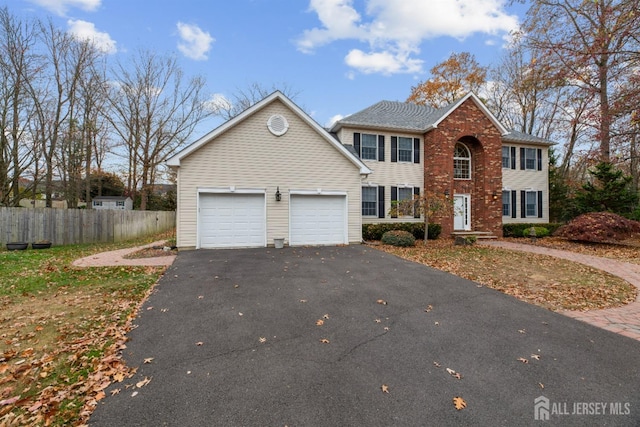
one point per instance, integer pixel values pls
(549, 282)
(61, 327)
(58, 324)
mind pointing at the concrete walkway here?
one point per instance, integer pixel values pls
(111, 258)
(622, 320)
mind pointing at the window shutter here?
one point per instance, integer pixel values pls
(521, 158)
(356, 143)
(394, 148)
(416, 206)
(523, 204)
(539, 204)
(513, 157)
(381, 148)
(416, 150)
(381, 212)
(394, 198)
(514, 203)
(539, 159)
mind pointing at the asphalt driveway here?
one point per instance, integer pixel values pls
(234, 339)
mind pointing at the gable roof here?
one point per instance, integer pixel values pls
(407, 116)
(277, 95)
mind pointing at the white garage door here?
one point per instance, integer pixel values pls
(318, 220)
(231, 220)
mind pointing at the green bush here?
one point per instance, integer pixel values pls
(375, 231)
(398, 238)
(517, 230)
(540, 232)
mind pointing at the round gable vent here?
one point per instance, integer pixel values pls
(277, 125)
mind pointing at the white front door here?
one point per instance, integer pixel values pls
(461, 212)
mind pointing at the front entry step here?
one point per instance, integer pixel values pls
(478, 234)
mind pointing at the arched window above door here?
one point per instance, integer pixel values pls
(461, 162)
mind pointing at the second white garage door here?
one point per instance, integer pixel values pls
(231, 220)
(318, 220)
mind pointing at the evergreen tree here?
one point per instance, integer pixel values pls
(609, 191)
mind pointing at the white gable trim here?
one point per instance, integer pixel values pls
(277, 95)
(480, 105)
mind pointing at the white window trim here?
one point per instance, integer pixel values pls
(376, 136)
(535, 159)
(375, 215)
(398, 150)
(526, 211)
(468, 159)
(511, 159)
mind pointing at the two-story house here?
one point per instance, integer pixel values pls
(273, 174)
(492, 175)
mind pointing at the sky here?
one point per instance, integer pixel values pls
(338, 56)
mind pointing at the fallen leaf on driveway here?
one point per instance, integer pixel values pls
(143, 382)
(381, 301)
(115, 391)
(535, 356)
(522, 331)
(459, 403)
(436, 364)
(523, 360)
(303, 301)
(429, 308)
(378, 321)
(148, 360)
(262, 339)
(199, 343)
(324, 341)
(385, 388)
(454, 373)
(541, 385)
(135, 393)
(326, 316)
(319, 322)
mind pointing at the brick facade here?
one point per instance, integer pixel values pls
(469, 125)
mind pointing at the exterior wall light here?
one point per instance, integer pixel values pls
(278, 194)
(495, 195)
(446, 193)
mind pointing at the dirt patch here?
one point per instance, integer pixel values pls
(155, 251)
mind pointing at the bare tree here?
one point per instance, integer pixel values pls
(18, 146)
(595, 46)
(245, 98)
(154, 110)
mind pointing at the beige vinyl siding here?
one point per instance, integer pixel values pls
(533, 180)
(248, 156)
(387, 173)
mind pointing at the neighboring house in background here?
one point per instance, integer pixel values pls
(273, 173)
(112, 202)
(41, 203)
(492, 174)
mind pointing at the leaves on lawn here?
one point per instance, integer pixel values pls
(459, 403)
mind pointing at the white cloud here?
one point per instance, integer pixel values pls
(194, 43)
(87, 31)
(394, 29)
(218, 102)
(60, 7)
(332, 120)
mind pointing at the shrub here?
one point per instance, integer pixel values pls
(517, 230)
(599, 227)
(375, 231)
(540, 232)
(398, 238)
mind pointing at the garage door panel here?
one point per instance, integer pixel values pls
(231, 220)
(317, 220)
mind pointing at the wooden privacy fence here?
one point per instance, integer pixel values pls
(72, 226)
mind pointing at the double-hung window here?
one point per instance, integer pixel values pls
(369, 148)
(369, 201)
(530, 161)
(405, 149)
